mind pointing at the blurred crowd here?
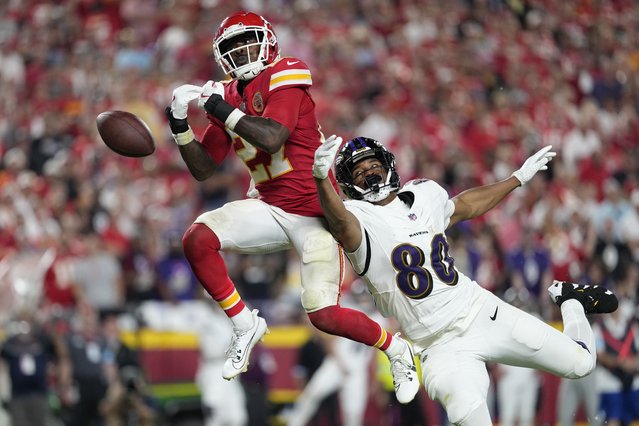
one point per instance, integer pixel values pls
(461, 91)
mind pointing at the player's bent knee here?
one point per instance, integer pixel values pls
(584, 365)
(581, 362)
(198, 238)
(316, 299)
(322, 319)
(190, 241)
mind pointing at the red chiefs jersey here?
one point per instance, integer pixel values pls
(283, 179)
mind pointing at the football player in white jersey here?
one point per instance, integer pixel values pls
(395, 238)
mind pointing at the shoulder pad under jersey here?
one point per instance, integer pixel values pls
(289, 72)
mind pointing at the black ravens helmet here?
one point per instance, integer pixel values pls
(356, 150)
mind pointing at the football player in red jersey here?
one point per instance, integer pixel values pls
(266, 114)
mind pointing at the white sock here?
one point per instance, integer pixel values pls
(396, 347)
(244, 320)
(576, 325)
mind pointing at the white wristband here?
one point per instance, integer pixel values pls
(233, 118)
(184, 138)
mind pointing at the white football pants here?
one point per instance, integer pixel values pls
(454, 372)
(252, 227)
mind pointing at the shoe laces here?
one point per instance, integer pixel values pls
(234, 349)
(400, 369)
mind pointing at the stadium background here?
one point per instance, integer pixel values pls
(461, 91)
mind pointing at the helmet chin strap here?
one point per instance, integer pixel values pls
(375, 193)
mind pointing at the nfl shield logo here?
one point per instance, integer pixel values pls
(412, 216)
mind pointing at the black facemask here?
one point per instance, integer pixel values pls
(373, 181)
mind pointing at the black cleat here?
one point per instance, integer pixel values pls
(595, 299)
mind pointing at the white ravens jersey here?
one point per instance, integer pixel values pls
(405, 260)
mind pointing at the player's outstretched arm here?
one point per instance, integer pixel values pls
(342, 224)
(477, 201)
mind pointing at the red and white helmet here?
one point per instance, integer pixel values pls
(250, 24)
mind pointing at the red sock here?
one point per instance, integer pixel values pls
(352, 324)
(202, 250)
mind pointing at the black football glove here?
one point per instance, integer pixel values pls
(178, 125)
(218, 108)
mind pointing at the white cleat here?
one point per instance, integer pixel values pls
(241, 346)
(404, 373)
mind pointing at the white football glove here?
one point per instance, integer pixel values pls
(211, 87)
(534, 163)
(181, 98)
(325, 155)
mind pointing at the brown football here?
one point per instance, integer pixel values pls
(125, 133)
